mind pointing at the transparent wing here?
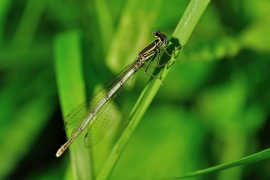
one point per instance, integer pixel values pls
(105, 117)
(78, 114)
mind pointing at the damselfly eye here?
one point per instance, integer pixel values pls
(155, 33)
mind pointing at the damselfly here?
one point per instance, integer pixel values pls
(95, 114)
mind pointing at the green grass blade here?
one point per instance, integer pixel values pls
(246, 160)
(126, 34)
(105, 23)
(29, 22)
(183, 31)
(71, 89)
(4, 7)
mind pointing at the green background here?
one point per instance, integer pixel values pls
(213, 107)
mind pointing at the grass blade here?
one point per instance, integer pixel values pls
(183, 31)
(71, 88)
(246, 160)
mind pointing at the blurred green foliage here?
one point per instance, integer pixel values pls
(213, 108)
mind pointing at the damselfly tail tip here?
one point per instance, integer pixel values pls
(59, 152)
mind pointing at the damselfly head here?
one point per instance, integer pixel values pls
(162, 37)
